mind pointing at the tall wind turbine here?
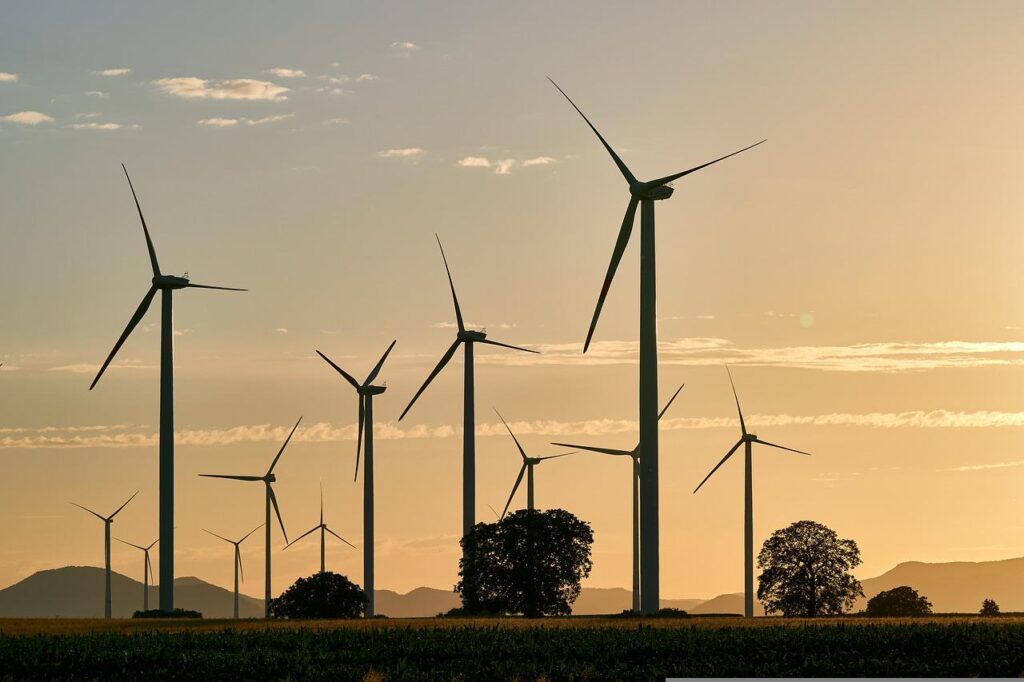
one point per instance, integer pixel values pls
(366, 391)
(747, 440)
(634, 454)
(147, 569)
(643, 194)
(107, 520)
(528, 464)
(322, 527)
(165, 284)
(270, 499)
(238, 558)
(469, 337)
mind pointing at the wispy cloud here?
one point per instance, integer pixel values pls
(983, 467)
(218, 122)
(27, 118)
(336, 122)
(122, 71)
(282, 72)
(367, 77)
(231, 122)
(281, 330)
(189, 87)
(98, 94)
(89, 368)
(503, 166)
(95, 125)
(403, 48)
(8, 77)
(402, 153)
(86, 114)
(475, 325)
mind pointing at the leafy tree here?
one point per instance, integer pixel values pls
(530, 562)
(989, 607)
(321, 595)
(899, 601)
(806, 571)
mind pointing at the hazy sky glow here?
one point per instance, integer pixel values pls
(860, 271)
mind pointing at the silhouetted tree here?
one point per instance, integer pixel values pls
(899, 601)
(806, 571)
(531, 562)
(321, 595)
(989, 607)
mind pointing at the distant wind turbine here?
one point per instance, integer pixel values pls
(635, 455)
(747, 440)
(107, 520)
(366, 391)
(643, 194)
(528, 464)
(467, 337)
(147, 569)
(238, 558)
(166, 284)
(322, 527)
(270, 499)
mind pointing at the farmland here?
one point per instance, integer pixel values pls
(557, 648)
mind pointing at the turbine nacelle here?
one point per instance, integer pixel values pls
(169, 282)
(471, 335)
(270, 478)
(656, 193)
(371, 390)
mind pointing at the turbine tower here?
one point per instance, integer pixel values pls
(528, 464)
(747, 440)
(634, 454)
(238, 559)
(107, 520)
(643, 194)
(165, 284)
(147, 569)
(270, 499)
(322, 527)
(469, 337)
(366, 391)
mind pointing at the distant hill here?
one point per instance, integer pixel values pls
(958, 586)
(726, 603)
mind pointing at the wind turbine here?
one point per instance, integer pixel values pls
(643, 194)
(238, 559)
(147, 569)
(635, 455)
(528, 464)
(366, 391)
(165, 284)
(322, 527)
(467, 337)
(747, 440)
(271, 499)
(107, 520)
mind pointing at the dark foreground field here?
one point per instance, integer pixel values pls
(556, 649)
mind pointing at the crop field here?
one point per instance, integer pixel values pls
(506, 649)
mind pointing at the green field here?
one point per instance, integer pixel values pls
(506, 649)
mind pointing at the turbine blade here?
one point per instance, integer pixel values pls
(248, 534)
(101, 518)
(340, 538)
(314, 528)
(590, 448)
(455, 299)
(743, 425)
(238, 558)
(359, 438)
(130, 544)
(669, 178)
(321, 503)
(521, 451)
(149, 567)
(125, 504)
(494, 511)
(348, 377)
(190, 285)
(506, 345)
(670, 401)
(615, 157)
(233, 478)
(153, 544)
(277, 510)
(620, 247)
(561, 454)
(780, 447)
(380, 363)
(140, 312)
(519, 480)
(281, 451)
(727, 456)
(145, 230)
(218, 536)
(440, 365)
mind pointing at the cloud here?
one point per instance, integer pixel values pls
(868, 357)
(403, 48)
(8, 77)
(123, 71)
(218, 122)
(189, 87)
(97, 94)
(538, 161)
(474, 162)
(282, 330)
(403, 153)
(503, 166)
(367, 77)
(27, 118)
(87, 114)
(336, 122)
(96, 126)
(231, 122)
(89, 368)
(336, 80)
(475, 325)
(282, 72)
(981, 467)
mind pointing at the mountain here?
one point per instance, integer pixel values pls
(958, 586)
(423, 601)
(726, 603)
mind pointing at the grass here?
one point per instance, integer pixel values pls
(512, 648)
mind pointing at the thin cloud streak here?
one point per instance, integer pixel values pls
(190, 87)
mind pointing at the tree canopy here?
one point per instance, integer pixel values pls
(899, 601)
(806, 571)
(989, 607)
(321, 595)
(530, 562)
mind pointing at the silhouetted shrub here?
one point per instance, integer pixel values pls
(321, 595)
(989, 607)
(897, 602)
(176, 613)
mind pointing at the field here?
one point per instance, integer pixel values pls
(496, 649)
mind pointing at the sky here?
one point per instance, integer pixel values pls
(859, 272)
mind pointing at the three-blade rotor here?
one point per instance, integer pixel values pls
(527, 462)
(107, 519)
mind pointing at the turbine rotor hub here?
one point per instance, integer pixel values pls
(471, 335)
(657, 193)
(170, 282)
